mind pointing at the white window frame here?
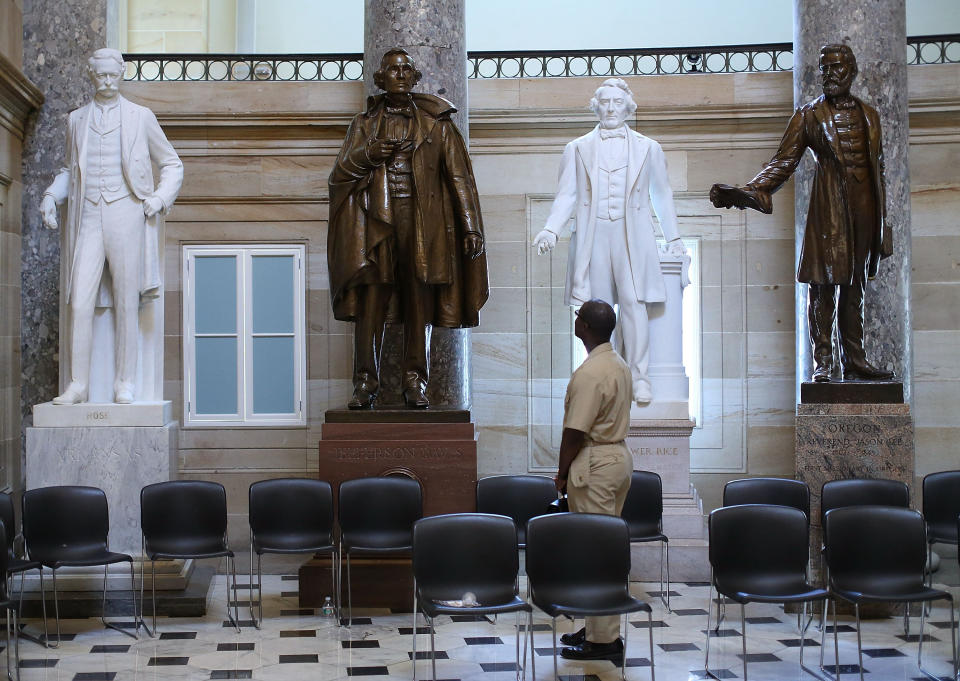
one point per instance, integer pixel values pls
(245, 416)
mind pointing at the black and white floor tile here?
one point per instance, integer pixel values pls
(296, 643)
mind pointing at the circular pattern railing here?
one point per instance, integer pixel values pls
(944, 49)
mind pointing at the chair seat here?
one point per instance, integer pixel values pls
(771, 589)
(186, 547)
(15, 565)
(79, 556)
(903, 597)
(292, 542)
(597, 608)
(362, 547)
(942, 533)
(810, 594)
(640, 538)
(432, 608)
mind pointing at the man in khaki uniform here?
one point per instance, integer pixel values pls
(595, 464)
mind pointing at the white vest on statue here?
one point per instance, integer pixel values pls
(104, 171)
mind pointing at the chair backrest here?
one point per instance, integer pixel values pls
(178, 516)
(519, 497)
(875, 549)
(295, 507)
(776, 491)
(466, 552)
(863, 492)
(64, 516)
(758, 542)
(9, 520)
(577, 550)
(643, 507)
(379, 512)
(941, 505)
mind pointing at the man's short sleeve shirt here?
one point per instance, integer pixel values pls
(598, 397)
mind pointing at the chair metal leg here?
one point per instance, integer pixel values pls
(556, 674)
(56, 606)
(653, 674)
(666, 552)
(706, 659)
(533, 651)
(21, 626)
(856, 611)
(143, 580)
(433, 648)
(413, 658)
(103, 606)
(333, 588)
(236, 606)
(349, 595)
(153, 592)
(623, 662)
(953, 642)
(520, 668)
(258, 620)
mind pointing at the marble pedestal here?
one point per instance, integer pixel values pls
(663, 446)
(119, 448)
(836, 441)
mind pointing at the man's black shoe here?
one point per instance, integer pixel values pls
(575, 638)
(594, 651)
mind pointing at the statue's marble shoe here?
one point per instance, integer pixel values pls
(123, 396)
(642, 394)
(74, 394)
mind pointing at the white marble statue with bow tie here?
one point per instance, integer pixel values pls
(608, 180)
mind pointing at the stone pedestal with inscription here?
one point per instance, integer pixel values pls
(839, 440)
(437, 447)
(663, 446)
(119, 448)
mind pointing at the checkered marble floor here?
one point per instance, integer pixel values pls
(299, 644)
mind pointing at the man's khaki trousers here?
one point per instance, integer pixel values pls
(604, 492)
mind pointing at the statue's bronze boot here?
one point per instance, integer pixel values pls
(415, 397)
(362, 398)
(865, 372)
(822, 373)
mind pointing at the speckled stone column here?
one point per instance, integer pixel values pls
(58, 37)
(433, 32)
(876, 32)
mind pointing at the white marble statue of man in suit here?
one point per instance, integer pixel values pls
(608, 179)
(111, 252)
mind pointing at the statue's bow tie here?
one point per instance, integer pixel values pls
(400, 111)
(609, 134)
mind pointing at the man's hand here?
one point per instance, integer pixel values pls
(561, 484)
(473, 245)
(545, 241)
(48, 211)
(151, 206)
(380, 149)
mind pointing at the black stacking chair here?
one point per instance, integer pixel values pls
(17, 565)
(578, 564)
(519, 497)
(776, 491)
(290, 516)
(643, 511)
(941, 506)
(183, 519)
(465, 553)
(67, 526)
(7, 604)
(878, 554)
(758, 554)
(376, 517)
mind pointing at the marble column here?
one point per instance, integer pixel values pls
(876, 32)
(58, 37)
(433, 32)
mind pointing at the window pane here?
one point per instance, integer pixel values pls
(215, 284)
(216, 375)
(273, 384)
(273, 293)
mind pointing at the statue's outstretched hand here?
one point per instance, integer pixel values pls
(473, 244)
(545, 241)
(48, 212)
(676, 247)
(728, 196)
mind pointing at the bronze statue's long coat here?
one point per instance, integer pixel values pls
(827, 256)
(359, 249)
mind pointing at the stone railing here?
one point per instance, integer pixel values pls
(942, 49)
